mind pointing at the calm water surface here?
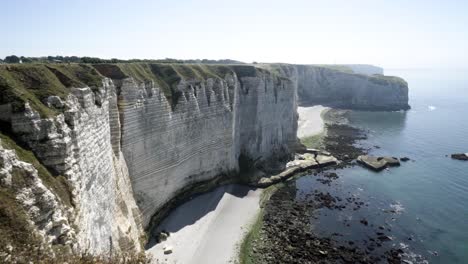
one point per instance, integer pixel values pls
(427, 197)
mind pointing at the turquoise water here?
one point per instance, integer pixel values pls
(429, 195)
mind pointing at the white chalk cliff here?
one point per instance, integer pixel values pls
(147, 134)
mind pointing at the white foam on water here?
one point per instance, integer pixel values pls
(432, 108)
(398, 207)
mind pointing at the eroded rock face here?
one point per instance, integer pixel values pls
(213, 122)
(77, 144)
(51, 217)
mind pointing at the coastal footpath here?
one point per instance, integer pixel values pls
(92, 155)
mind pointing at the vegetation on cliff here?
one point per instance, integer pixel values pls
(16, 230)
(166, 76)
(19, 241)
(34, 82)
(56, 183)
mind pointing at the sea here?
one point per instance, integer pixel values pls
(422, 206)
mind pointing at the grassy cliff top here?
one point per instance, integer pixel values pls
(284, 69)
(383, 79)
(166, 76)
(33, 83)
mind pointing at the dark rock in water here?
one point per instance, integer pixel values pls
(405, 159)
(460, 156)
(364, 222)
(391, 161)
(372, 162)
(384, 238)
(377, 163)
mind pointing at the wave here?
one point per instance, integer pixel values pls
(397, 207)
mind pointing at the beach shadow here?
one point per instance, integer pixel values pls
(196, 208)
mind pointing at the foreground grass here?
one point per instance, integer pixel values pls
(246, 248)
(253, 236)
(32, 254)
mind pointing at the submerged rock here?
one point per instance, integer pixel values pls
(404, 159)
(460, 156)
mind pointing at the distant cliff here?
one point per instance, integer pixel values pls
(90, 153)
(339, 86)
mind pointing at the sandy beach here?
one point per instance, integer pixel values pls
(310, 122)
(208, 228)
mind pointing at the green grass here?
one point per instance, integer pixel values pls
(315, 141)
(384, 80)
(76, 75)
(29, 83)
(245, 251)
(33, 83)
(341, 68)
(15, 228)
(246, 254)
(166, 75)
(244, 70)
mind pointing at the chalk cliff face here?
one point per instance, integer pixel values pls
(77, 144)
(214, 121)
(355, 91)
(131, 138)
(345, 89)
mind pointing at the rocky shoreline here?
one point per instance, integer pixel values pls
(287, 229)
(287, 235)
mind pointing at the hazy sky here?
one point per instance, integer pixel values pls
(392, 33)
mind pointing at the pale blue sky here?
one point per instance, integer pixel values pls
(393, 33)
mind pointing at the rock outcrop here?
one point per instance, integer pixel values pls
(377, 163)
(132, 138)
(460, 156)
(52, 217)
